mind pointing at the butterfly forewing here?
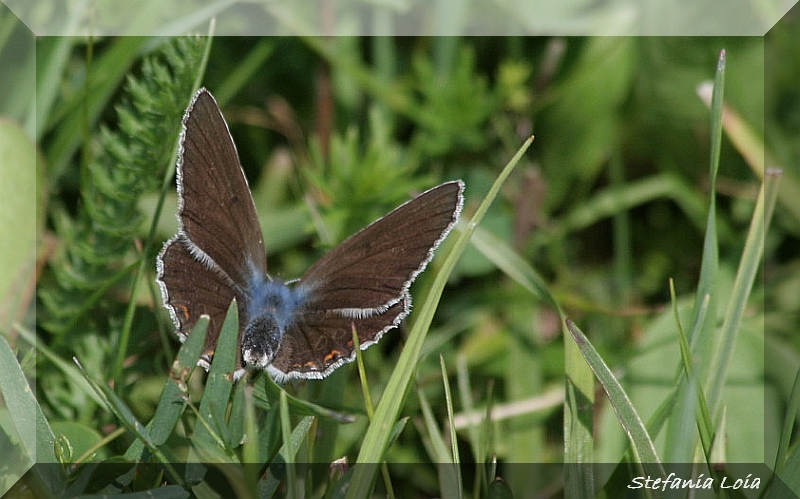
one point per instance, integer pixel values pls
(217, 212)
(374, 268)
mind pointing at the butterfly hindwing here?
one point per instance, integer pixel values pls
(319, 341)
(192, 289)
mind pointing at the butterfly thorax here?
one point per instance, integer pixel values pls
(270, 311)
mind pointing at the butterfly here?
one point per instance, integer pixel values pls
(301, 328)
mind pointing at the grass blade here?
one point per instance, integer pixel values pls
(745, 276)
(388, 409)
(172, 402)
(626, 414)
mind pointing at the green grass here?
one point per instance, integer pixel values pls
(655, 222)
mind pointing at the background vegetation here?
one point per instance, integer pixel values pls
(609, 203)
